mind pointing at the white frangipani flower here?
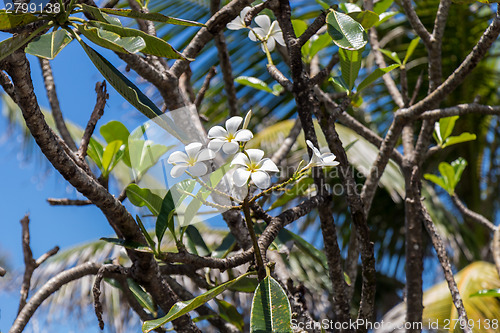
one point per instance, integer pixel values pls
(254, 167)
(267, 31)
(319, 159)
(239, 22)
(191, 160)
(228, 137)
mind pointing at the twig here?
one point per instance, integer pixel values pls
(48, 289)
(312, 29)
(96, 289)
(439, 246)
(325, 72)
(258, 255)
(416, 90)
(50, 87)
(102, 96)
(8, 87)
(279, 77)
(416, 23)
(255, 11)
(204, 87)
(68, 202)
(29, 262)
(460, 110)
(495, 248)
(478, 218)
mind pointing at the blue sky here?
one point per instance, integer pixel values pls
(27, 184)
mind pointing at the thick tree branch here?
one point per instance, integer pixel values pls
(460, 110)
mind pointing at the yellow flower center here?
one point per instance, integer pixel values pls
(230, 137)
(252, 167)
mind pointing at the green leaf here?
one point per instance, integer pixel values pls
(95, 152)
(323, 4)
(144, 154)
(128, 244)
(229, 313)
(111, 156)
(198, 245)
(304, 246)
(339, 83)
(141, 197)
(350, 64)
(345, 31)
(459, 166)
(111, 40)
(254, 83)
(385, 16)
(453, 140)
(298, 189)
(448, 174)
(245, 285)
(97, 14)
(181, 308)
(10, 45)
(487, 293)
(154, 45)
(446, 126)
(381, 6)
(142, 296)
(114, 130)
(299, 27)
(11, 20)
(392, 55)
(436, 180)
(375, 75)
(270, 308)
(312, 47)
(227, 245)
(411, 49)
(166, 216)
(123, 86)
(150, 241)
(366, 18)
(157, 17)
(49, 45)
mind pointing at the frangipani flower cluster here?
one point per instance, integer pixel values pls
(249, 164)
(267, 32)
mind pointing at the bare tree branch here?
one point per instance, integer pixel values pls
(48, 289)
(102, 96)
(204, 87)
(50, 87)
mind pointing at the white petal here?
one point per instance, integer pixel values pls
(235, 24)
(271, 44)
(261, 179)
(241, 176)
(251, 35)
(310, 144)
(275, 28)
(255, 155)
(268, 165)
(205, 155)
(217, 132)
(198, 169)
(193, 148)
(279, 38)
(177, 157)
(243, 135)
(233, 123)
(178, 170)
(264, 22)
(244, 12)
(329, 159)
(315, 160)
(230, 147)
(240, 159)
(215, 144)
